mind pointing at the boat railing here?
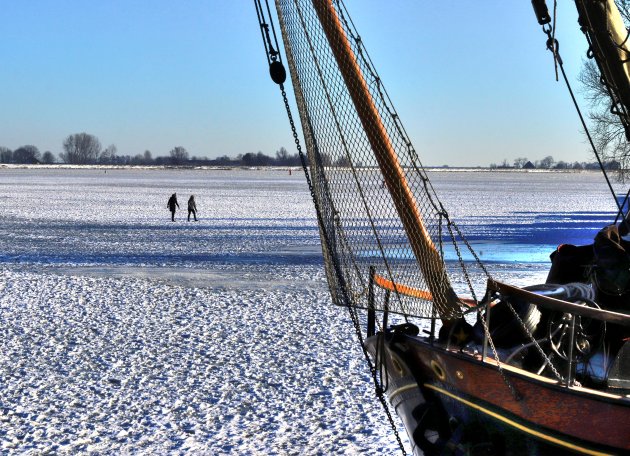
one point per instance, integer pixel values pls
(496, 290)
(559, 305)
(555, 305)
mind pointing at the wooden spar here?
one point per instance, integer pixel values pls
(422, 246)
(412, 292)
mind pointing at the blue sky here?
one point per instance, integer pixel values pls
(471, 80)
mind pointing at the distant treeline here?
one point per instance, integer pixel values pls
(549, 163)
(85, 149)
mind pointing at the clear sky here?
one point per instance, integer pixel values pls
(472, 80)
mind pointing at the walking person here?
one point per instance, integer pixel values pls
(192, 207)
(172, 203)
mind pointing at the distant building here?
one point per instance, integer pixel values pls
(529, 165)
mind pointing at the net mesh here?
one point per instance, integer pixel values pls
(379, 211)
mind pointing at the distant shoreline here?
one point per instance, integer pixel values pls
(439, 169)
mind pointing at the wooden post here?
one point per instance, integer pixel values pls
(422, 246)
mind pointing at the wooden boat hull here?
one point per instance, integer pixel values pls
(463, 395)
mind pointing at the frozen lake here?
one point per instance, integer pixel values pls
(124, 332)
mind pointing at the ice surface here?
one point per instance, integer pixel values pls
(123, 332)
(119, 365)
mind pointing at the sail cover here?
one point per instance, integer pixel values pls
(380, 216)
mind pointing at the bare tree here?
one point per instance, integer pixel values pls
(547, 162)
(262, 159)
(326, 159)
(249, 159)
(108, 155)
(606, 128)
(148, 159)
(26, 154)
(81, 148)
(48, 158)
(282, 156)
(561, 165)
(179, 155)
(6, 155)
(342, 162)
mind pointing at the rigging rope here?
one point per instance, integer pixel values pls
(415, 162)
(554, 47)
(273, 57)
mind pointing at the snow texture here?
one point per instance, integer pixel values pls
(125, 333)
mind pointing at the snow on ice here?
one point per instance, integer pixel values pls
(123, 332)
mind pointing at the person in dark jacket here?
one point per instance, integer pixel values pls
(172, 203)
(192, 207)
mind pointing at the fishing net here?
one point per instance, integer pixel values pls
(381, 222)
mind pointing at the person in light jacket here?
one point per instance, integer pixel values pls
(172, 203)
(192, 207)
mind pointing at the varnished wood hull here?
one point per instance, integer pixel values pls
(551, 417)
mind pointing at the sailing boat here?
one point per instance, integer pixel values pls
(506, 370)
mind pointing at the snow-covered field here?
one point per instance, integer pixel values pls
(122, 332)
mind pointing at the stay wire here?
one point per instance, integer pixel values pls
(353, 314)
(553, 46)
(352, 165)
(264, 29)
(416, 163)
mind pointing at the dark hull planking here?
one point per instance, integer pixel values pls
(469, 405)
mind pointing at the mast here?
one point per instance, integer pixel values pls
(424, 250)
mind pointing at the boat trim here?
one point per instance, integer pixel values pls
(401, 390)
(530, 376)
(550, 381)
(516, 425)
